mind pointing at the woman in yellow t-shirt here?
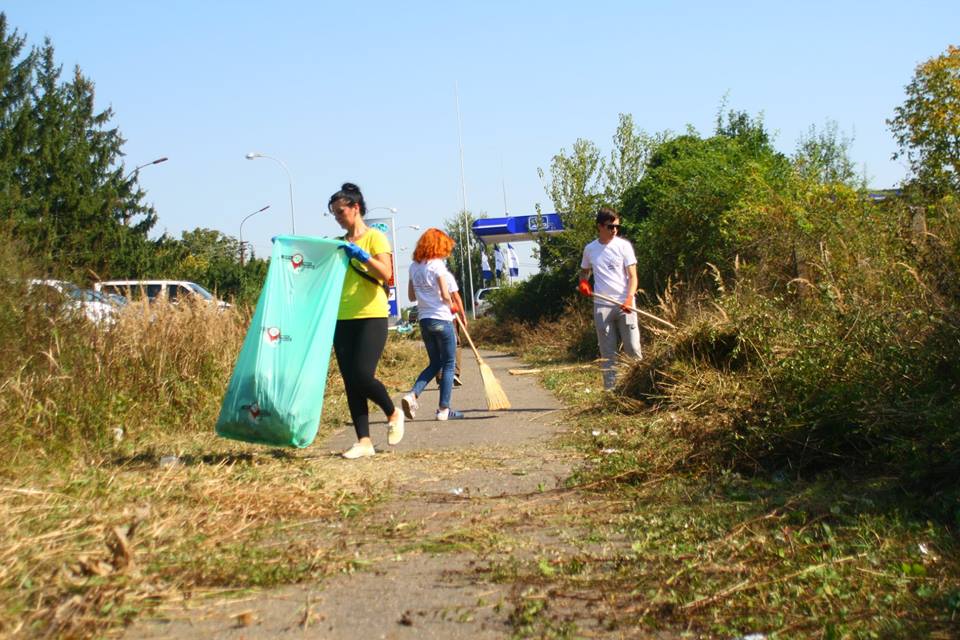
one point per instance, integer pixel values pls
(361, 332)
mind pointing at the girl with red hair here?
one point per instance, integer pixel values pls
(428, 288)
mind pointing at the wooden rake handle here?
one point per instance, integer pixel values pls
(634, 309)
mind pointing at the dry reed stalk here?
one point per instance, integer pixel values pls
(497, 399)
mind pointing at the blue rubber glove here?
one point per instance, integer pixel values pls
(355, 252)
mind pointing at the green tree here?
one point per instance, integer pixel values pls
(460, 228)
(16, 72)
(60, 166)
(927, 125)
(576, 189)
(685, 202)
(631, 150)
(583, 180)
(824, 156)
(212, 259)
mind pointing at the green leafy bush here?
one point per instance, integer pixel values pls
(683, 214)
(542, 297)
(839, 344)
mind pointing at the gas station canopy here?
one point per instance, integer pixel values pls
(516, 228)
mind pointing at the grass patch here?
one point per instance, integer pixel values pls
(781, 464)
(100, 526)
(835, 556)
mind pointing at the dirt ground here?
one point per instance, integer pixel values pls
(467, 496)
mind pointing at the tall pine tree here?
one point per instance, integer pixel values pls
(67, 198)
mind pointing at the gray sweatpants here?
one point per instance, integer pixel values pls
(613, 328)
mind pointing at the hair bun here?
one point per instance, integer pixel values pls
(349, 187)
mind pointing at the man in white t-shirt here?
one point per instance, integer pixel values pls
(614, 266)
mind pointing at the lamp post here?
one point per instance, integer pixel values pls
(241, 229)
(252, 156)
(136, 171)
(146, 164)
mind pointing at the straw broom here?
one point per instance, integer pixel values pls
(496, 398)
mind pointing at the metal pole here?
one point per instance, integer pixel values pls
(503, 183)
(463, 190)
(136, 172)
(293, 222)
(241, 229)
(255, 154)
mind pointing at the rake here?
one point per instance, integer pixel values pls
(632, 308)
(496, 398)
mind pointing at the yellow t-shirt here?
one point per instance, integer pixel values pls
(362, 298)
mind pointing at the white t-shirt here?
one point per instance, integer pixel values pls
(425, 277)
(609, 263)
(452, 283)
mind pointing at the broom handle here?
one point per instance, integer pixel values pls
(632, 308)
(466, 333)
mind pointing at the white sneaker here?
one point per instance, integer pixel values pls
(449, 414)
(359, 450)
(395, 430)
(410, 405)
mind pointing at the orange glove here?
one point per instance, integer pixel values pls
(454, 309)
(584, 288)
(625, 307)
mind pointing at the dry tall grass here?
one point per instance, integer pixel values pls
(72, 385)
(115, 494)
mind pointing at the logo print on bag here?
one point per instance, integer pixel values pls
(254, 412)
(273, 336)
(298, 263)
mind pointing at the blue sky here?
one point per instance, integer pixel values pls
(364, 92)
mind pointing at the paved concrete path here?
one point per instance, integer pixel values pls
(471, 489)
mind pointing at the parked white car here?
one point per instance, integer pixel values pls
(481, 303)
(170, 290)
(91, 304)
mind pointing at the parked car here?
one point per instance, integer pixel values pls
(152, 290)
(481, 302)
(87, 302)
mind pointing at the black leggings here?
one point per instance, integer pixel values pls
(358, 345)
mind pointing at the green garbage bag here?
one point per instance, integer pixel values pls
(275, 395)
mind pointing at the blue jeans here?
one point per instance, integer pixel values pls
(441, 342)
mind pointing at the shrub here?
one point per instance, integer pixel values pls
(543, 297)
(853, 363)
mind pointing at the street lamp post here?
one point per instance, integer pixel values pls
(252, 156)
(146, 164)
(134, 172)
(241, 229)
